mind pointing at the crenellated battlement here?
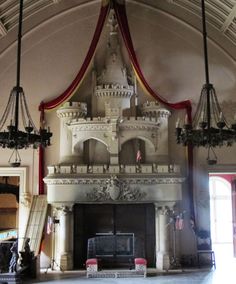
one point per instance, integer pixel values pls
(153, 109)
(114, 90)
(72, 110)
(118, 120)
(114, 169)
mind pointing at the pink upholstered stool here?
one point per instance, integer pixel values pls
(141, 265)
(92, 265)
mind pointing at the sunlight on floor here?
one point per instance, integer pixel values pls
(225, 264)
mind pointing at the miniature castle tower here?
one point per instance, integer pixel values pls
(113, 91)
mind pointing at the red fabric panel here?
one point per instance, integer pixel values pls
(124, 27)
(66, 94)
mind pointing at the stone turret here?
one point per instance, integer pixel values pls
(67, 112)
(153, 110)
(113, 90)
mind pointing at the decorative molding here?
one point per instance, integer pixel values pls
(90, 127)
(107, 126)
(63, 179)
(115, 190)
(153, 126)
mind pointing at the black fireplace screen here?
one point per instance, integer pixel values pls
(109, 245)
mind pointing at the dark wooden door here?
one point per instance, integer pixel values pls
(90, 220)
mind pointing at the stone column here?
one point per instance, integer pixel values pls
(162, 233)
(65, 245)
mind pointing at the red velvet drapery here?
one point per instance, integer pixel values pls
(121, 15)
(69, 91)
(72, 87)
(124, 27)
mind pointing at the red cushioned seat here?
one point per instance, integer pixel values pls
(91, 261)
(140, 260)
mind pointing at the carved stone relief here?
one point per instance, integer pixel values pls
(115, 190)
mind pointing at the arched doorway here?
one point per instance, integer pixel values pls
(221, 219)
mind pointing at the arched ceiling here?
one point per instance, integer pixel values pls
(221, 16)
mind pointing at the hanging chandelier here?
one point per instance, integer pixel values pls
(209, 127)
(17, 129)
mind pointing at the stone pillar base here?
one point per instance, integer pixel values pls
(163, 261)
(66, 262)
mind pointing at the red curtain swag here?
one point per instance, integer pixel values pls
(69, 91)
(124, 27)
(121, 15)
(105, 7)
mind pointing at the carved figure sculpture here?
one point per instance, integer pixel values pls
(14, 257)
(27, 246)
(27, 255)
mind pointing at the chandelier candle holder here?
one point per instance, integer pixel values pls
(11, 136)
(209, 127)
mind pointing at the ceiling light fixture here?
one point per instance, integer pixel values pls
(11, 136)
(209, 128)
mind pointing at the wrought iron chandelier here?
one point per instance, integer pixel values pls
(209, 128)
(11, 134)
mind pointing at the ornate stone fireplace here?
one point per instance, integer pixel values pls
(68, 191)
(100, 168)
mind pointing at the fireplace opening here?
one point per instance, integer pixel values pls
(114, 233)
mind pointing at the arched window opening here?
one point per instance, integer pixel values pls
(95, 153)
(221, 210)
(129, 152)
(221, 219)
